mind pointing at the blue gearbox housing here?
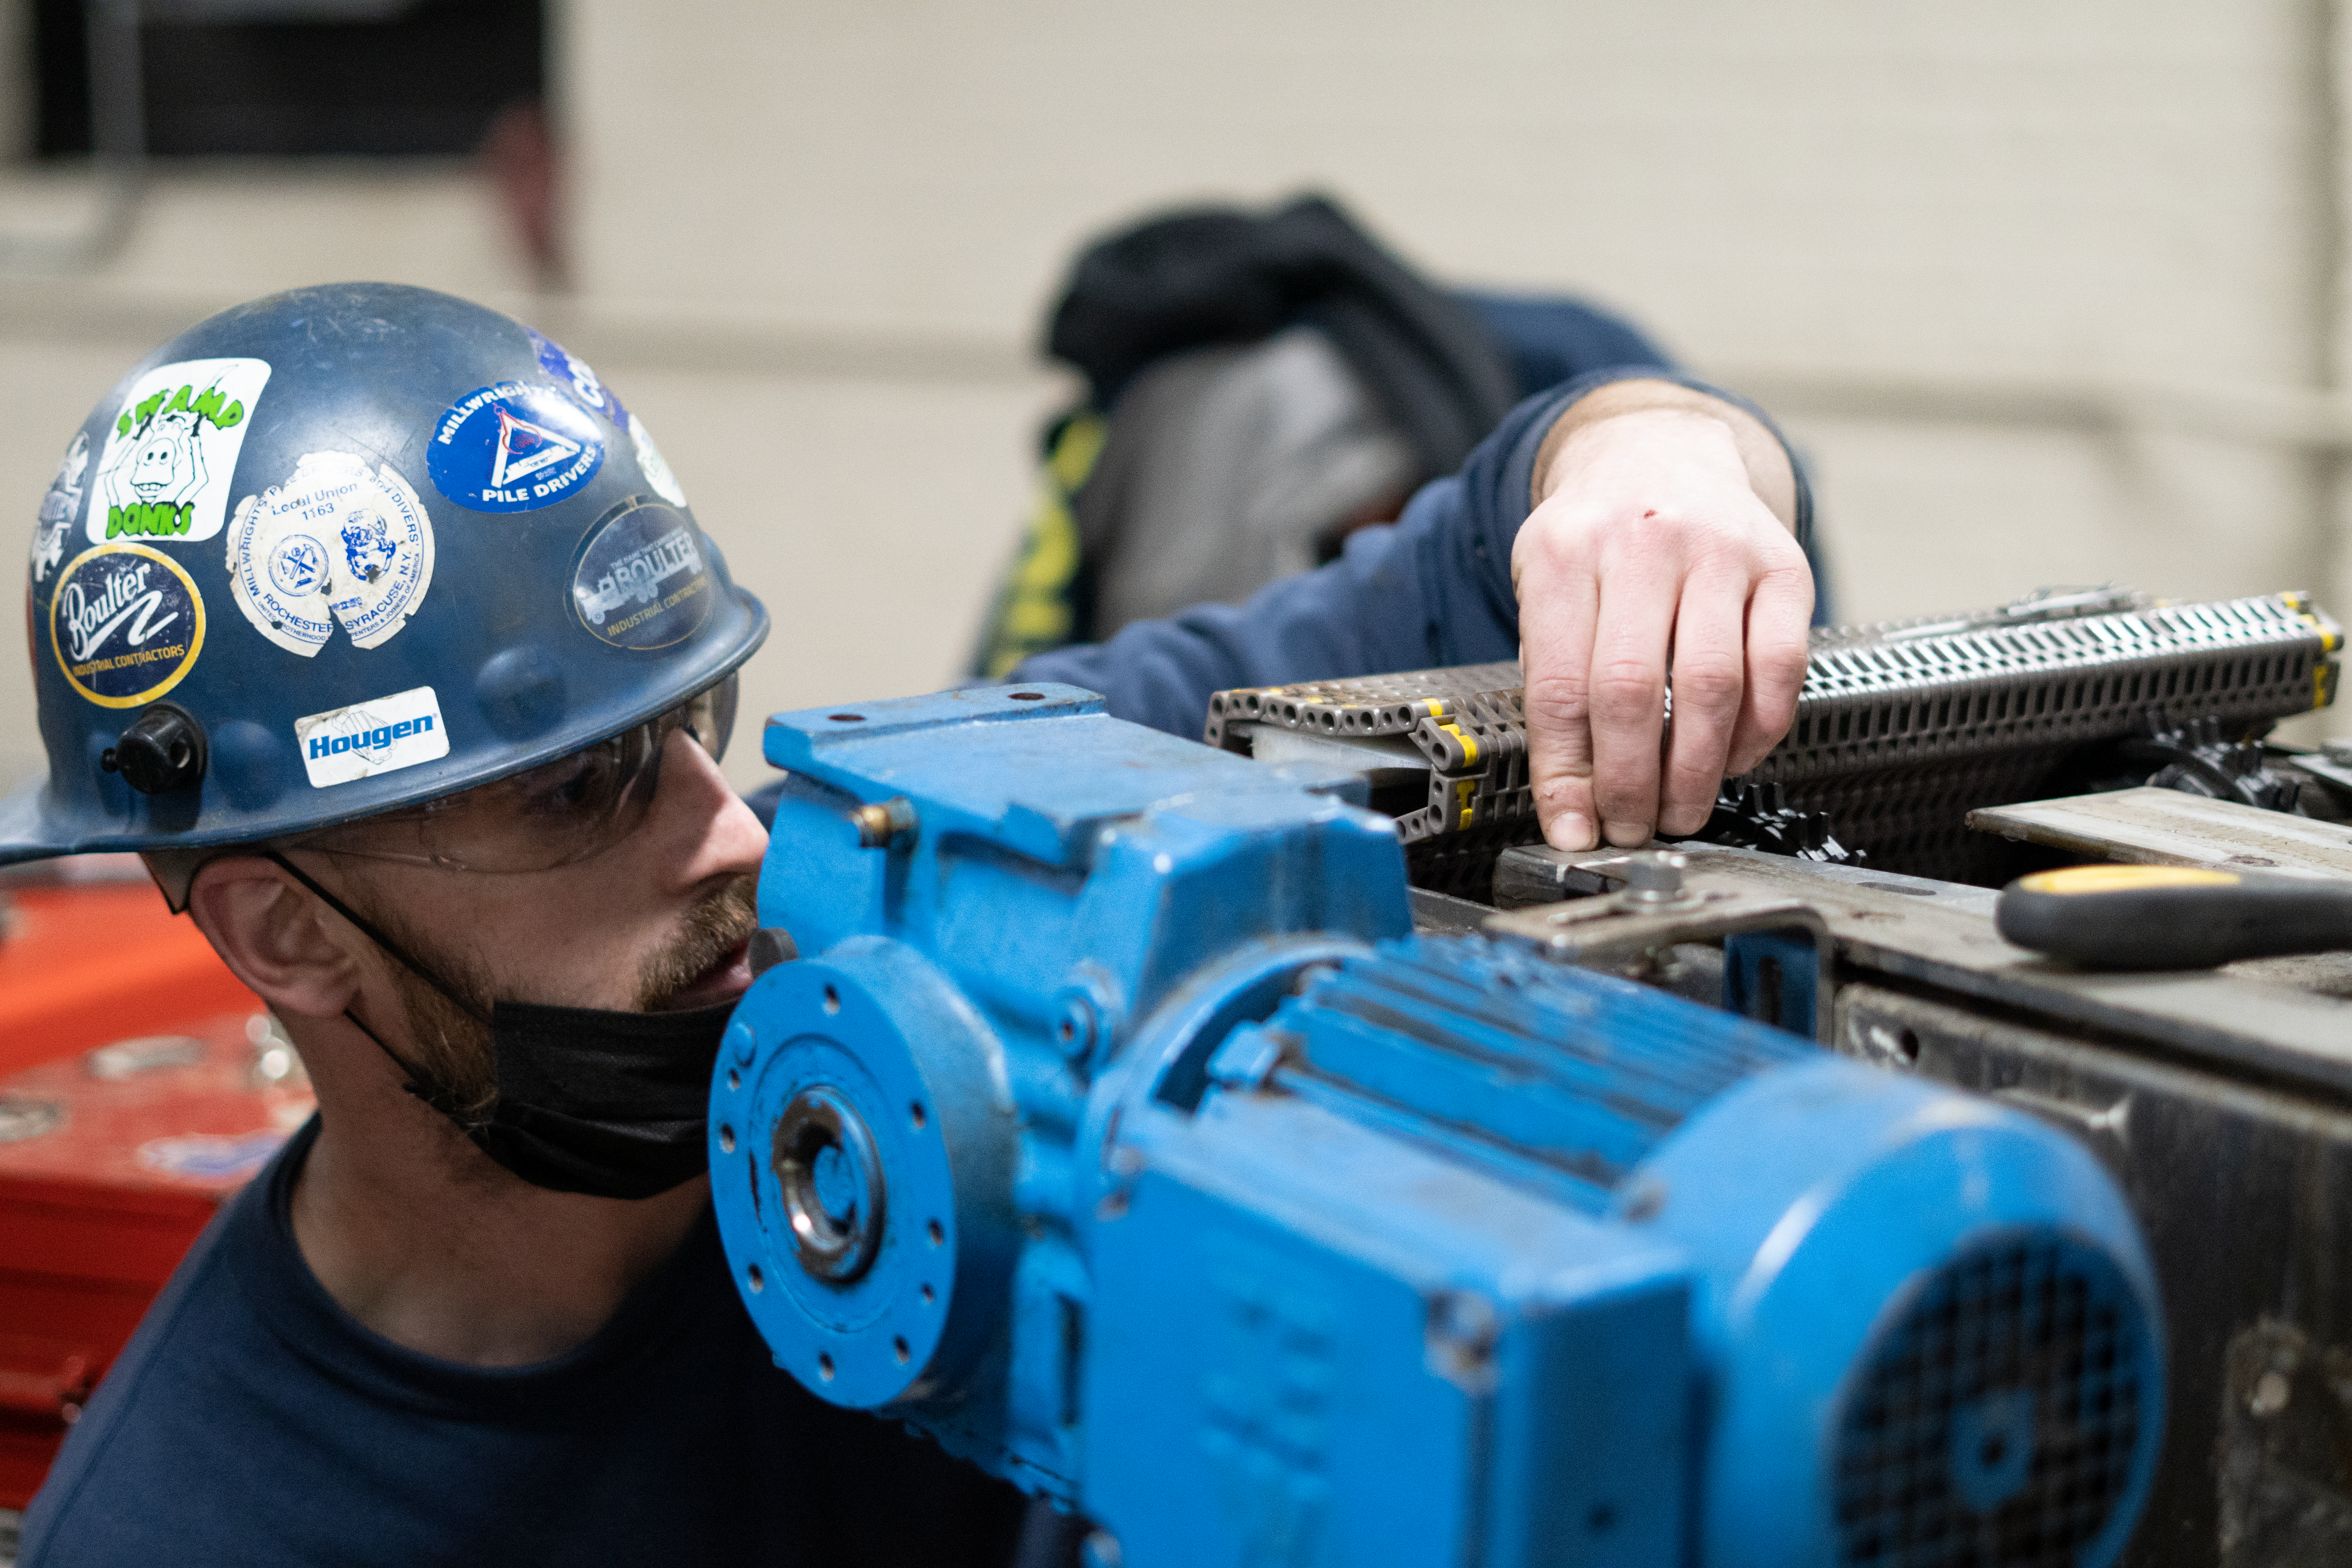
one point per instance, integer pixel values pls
(1116, 1130)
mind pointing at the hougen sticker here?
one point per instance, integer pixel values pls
(649, 460)
(126, 625)
(345, 745)
(337, 543)
(560, 362)
(169, 459)
(58, 508)
(512, 447)
(643, 581)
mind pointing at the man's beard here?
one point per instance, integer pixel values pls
(453, 1045)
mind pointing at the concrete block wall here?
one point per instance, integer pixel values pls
(812, 243)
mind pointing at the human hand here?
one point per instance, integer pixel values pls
(1661, 538)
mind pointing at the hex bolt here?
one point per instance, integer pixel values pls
(1655, 877)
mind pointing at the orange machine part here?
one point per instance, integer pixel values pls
(109, 1167)
(81, 965)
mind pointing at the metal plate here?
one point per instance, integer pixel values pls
(1949, 941)
(2168, 828)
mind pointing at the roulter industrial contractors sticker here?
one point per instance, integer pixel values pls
(170, 457)
(513, 448)
(126, 625)
(642, 580)
(337, 542)
(378, 736)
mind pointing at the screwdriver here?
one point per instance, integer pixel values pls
(2172, 917)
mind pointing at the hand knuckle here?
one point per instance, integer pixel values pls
(1557, 699)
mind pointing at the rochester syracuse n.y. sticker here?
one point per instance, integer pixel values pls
(126, 625)
(171, 455)
(513, 448)
(337, 542)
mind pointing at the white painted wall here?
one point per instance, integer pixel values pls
(812, 241)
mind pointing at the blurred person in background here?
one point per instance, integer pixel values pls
(1261, 386)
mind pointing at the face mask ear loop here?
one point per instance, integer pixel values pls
(421, 1084)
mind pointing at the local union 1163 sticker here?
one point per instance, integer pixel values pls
(171, 455)
(512, 447)
(338, 543)
(126, 625)
(643, 579)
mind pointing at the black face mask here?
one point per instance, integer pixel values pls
(589, 1100)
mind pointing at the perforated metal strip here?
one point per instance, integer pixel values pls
(1890, 715)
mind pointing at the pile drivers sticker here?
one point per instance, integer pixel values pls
(513, 448)
(338, 543)
(171, 454)
(642, 580)
(126, 625)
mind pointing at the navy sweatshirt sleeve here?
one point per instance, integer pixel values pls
(1434, 588)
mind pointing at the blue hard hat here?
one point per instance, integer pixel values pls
(343, 549)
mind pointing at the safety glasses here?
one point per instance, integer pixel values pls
(557, 814)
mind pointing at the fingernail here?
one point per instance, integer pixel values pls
(1571, 830)
(1629, 834)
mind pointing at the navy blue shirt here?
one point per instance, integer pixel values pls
(1432, 588)
(252, 1421)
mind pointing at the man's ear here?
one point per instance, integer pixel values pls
(271, 934)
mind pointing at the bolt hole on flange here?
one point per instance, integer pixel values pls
(831, 1001)
(937, 1231)
(916, 1114)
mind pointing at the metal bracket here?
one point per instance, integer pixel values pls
(1778, 958)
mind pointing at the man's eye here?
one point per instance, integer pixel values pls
(566, 784)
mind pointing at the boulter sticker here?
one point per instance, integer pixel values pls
(337, 543)
(126, 625)
(58, 510)
(170, 458)
(642, 580)
(512, 447)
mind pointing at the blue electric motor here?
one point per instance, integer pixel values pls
(1116, 1131)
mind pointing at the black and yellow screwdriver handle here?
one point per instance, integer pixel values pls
(2172, 917)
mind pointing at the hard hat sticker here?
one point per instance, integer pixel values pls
(126, 625)
(58, 508)
(643, 579)
(380, 736)
(558, 362)
(171, 455)
(338, 543)
(649, 460)
(512, 447)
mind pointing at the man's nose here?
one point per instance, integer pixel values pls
(701, 824)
